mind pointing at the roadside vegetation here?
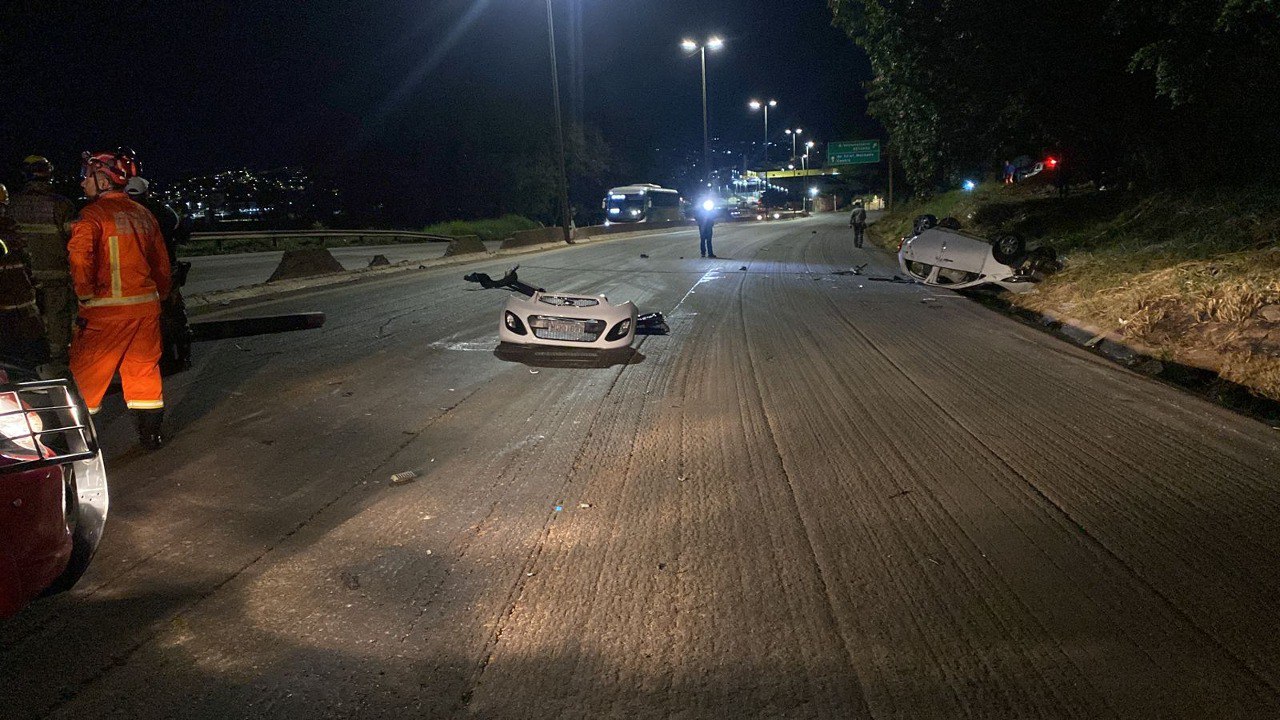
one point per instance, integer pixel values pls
(491, 229)
(1190, 277)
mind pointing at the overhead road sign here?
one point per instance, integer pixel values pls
(783, 174)
(853, 152)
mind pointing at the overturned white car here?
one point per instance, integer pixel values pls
(567, 319)
(940, 254)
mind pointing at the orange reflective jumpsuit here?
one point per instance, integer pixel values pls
(120, 270)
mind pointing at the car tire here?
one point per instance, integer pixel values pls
(1008, 249)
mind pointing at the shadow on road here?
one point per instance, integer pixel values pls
(560, 357)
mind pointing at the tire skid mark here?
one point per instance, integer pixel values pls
(811, 554)
(1224, 539)
(1057, 507)
(810, 343)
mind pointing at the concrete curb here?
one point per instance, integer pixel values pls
(218, 299)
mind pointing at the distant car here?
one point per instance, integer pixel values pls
(53, 488)
(940, 254)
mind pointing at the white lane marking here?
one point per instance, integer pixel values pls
(449, 343)
(708, 276)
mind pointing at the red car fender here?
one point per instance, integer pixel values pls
(35, 542)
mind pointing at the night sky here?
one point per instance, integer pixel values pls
(386, 97)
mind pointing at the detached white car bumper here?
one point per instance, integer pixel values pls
(565, 320)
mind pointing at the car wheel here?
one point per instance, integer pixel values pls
(1008, 248)
(85, 521)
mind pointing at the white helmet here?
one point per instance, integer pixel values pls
(137, 186)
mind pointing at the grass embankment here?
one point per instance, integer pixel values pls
(1192, 276)
(492, 229)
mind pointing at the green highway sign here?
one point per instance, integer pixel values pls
(853, 152)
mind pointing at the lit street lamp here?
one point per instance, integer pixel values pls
(555, 93)
(757, 105)
(692, 46)
(794, 134)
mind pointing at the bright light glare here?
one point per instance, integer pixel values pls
(813, 191)
(708, 205)
(688, 45)
(755, 104)
(970, 185)
(715, 43)
(773, 103)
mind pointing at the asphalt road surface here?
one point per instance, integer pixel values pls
(821, 496)
(226, 272)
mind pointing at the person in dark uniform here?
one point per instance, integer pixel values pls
(706, 223)
(175, 327)
(22, 336)
(44, 219)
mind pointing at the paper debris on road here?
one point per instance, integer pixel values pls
(401, 478)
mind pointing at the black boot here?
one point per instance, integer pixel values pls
(149, 432)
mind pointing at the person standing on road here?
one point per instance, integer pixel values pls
(22, 338)
(44, 220)
(858, 221)
(120, 270)
(175, 329)
(706, 224)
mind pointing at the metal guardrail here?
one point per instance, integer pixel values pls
(275, 236)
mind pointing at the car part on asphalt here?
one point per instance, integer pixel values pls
(566, 319)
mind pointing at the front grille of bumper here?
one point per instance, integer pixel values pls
(547, 327)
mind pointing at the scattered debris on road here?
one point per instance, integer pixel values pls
(402, 478)
(559, 508)
(533, 372)
(643, 256)
(856, 271)
(584, 506)
(894, 279)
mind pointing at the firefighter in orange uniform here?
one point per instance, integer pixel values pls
(120, 269)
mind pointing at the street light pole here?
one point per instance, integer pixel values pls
(715, 43)
(555, 93)
(706, 140)
(756, 105)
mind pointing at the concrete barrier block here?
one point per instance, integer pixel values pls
(528, 238)
(465, 245)
(305, 262)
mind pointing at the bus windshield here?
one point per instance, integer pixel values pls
(625, 207)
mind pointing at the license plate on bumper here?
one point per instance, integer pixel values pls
(567, 329)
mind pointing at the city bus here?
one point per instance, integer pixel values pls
(642, 203)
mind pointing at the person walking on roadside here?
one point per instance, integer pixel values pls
(120, 270)
(22, 338)
(706, 224)
(44, 220)
(858, 221)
